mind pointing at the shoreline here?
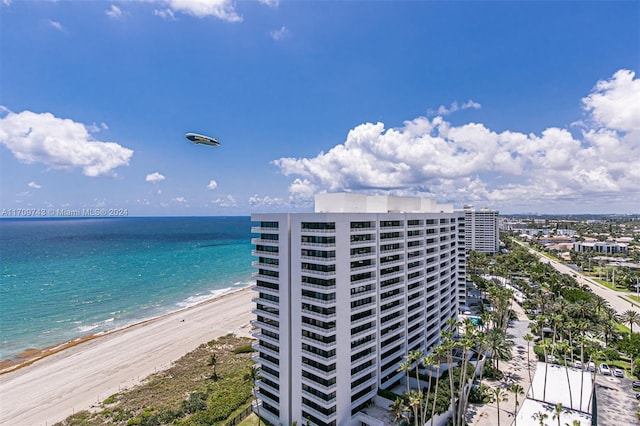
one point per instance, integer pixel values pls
(32, 355)
(58, 381)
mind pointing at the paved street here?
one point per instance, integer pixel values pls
(611, 296)
(515, 371)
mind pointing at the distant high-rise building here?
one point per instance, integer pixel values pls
(343, 294)
(481, 230)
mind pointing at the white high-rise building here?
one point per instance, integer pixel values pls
(481, 230)
(343, 294)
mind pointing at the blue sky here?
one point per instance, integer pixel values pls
(516, 106)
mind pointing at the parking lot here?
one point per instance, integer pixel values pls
(617, 404)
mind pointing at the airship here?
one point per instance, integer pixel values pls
(201, 139)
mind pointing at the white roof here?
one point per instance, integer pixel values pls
(557, 387)
(529, 408)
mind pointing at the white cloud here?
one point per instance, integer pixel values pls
(443, 110)
(221, 9)
(165, 14)
(280, 34)
(34, 185)
(180, 200)
(212, 185)
(256, 201)
(95, 128)
(55, 24)
(227, 201)
(59, 143)
(471, 162)
(271, 3)
(615, 103)
(114, 12)
(154, 177)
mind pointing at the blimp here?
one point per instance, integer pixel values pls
(202, 139)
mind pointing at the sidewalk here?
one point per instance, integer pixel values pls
(515, 371)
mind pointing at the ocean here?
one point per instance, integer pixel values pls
(67, 278)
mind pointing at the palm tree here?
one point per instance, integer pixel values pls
(529, 338)
(540, 417)
(516, 389)
(253, 376)
(213, 361)
(563, 348)
(556, 411)
(497, 395)
(630, 317)
(499, 345)
(448, 344)
(414, 357)
(415, 400)
(467, 343)
(596, 355)
(399, 410)
(406, 367)
(428, 360)
(439, 352)
(545, 347)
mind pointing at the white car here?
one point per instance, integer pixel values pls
(578, 364)
(605, 370)
(618, 373)
(592, 366)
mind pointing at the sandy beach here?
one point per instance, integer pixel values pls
(54, 387)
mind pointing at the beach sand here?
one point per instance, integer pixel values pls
(66, 381)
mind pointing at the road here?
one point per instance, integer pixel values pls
(611, 296)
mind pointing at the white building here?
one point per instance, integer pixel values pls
(608, 247)
(481, 230)
(344, 294)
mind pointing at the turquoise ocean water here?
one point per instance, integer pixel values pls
(65, 278)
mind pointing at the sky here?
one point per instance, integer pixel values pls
(522, 107)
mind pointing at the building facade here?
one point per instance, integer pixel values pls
(482, 230)
(343, 294)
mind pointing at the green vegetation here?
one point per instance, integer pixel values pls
(205, 387)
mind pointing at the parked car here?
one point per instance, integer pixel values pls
(592, 366)
(618, 373)
(636, 383)
(577, 364)
(605, 370)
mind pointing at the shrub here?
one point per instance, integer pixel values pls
(197, 401)
(243, 349)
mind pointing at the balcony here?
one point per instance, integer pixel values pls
(267, 399)
(318, 357)
(318, 301)
(256, 358)
(261, 241)
(266, 302)
(258, 253)
(259, 348)
(317, 343)
(318, 399)
(319, 329)
(262, 384)
(269, 339)
(265, 326)
(319, 260)
(319, 372)
(263, 230)
(259, 276)
(318, 273)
